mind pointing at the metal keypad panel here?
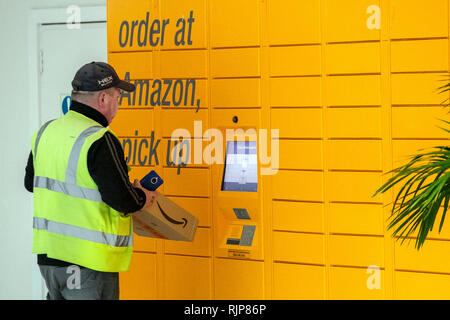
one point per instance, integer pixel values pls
(247, 235)
(241, 213)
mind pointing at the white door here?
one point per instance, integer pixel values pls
(62, 52)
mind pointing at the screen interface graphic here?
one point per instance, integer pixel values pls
(241, 167)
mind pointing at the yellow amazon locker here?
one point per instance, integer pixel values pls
(294, 22)
(429, 258)
(309, 248)
(352, 58)
(298, 185)
(354, 154)
(132, 65)
(298, 123)
(419, 55)
(357, 283)
(184, 122)
(186, 24)
(356, 218)
(235, 62)
(296, 281)
(425, 89)
(297, 216)
(236, 93)
(348, 20)
(235, 119)
(422, 286)
(193, 182)
(414, 122)
(354, 122)
(128, 25)
(295, 60)
(433, 19)
(404, 150)
(187, 278)
(133, 123)
(354, 250)
(235, 23)
(354, 186)
(231, 276)
(296, 159)
(296, 92)
(186, 64)
(352, 88)
(360, 90)
(139, 283)
(176, 93)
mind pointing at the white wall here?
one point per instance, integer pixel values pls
(17, 264)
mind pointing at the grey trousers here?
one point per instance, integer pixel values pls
(75, 283)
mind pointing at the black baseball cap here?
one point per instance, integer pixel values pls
(96, 76)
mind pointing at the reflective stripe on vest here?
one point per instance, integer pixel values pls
(71, 171)
(38, 137)
(81, 233)
(70, 188)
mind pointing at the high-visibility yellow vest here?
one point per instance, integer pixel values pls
(71, 222)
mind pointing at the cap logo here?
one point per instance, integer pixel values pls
(105, 81)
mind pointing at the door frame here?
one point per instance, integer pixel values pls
(37, 17)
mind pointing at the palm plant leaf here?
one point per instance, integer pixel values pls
(445, 88)
(426, 187)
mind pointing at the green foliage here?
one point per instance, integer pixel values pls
(426, 187)
(445, 88)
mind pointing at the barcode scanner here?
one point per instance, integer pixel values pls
(151, 181)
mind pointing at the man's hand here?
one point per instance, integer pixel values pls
(149, 195)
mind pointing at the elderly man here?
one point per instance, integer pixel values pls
(82, 228)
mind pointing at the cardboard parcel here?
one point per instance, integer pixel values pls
(165, 219)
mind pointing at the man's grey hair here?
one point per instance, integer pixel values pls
(86, 96)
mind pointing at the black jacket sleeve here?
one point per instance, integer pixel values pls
(109, 170)
(29, 173)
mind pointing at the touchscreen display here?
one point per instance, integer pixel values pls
(241, 167)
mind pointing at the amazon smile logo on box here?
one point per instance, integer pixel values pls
(165, 219)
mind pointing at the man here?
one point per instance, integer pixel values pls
(82, 227)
